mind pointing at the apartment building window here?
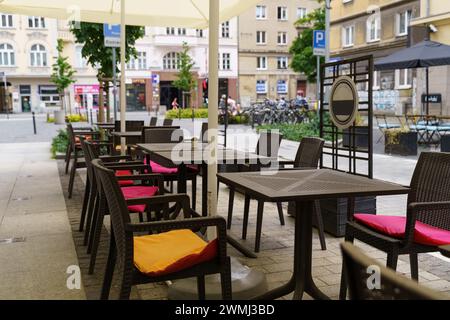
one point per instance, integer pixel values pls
(260, 37)
(261, 86)
(373, 29)
(38, 56)
(36, 22)
(138, 63)
(226, 61)
(171, 61)
(347, 36)
(282, 13)
(403, 20)
(226, 29)
(282, 38)
(261, 63)
(403, 79)
(7, 58)
(181, 31)
(282, 63)
(6, 21)
(301, 13)
(81, 62)
(282, 87)
(199, 33)
(170, 31)
(261, 12)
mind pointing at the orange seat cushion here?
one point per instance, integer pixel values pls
(87, 137)
(173, 251)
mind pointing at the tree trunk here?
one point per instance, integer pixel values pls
(108, 109)
(61, 100)
(101, 103)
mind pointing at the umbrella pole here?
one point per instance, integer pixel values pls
(427, 84)
(123, 104)
(213, 98)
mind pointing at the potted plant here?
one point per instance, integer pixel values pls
(400, 141)
(361, 131)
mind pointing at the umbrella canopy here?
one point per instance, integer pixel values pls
(173, 13)
(422, 55)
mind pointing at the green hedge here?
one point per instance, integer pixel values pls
(187, 113)
(70, 118)
(60, 142)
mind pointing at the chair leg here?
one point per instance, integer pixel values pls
(201, 287)
(91, 205)
(109, 272)
(72, 176)
(392, 258)
(319, 219)
(89, 221)
(414, 262)
(225, 281)
(96, 233)
(86, 198)
(280, 213)
(94, 226)
(259, 220)
(194, 192)
(343, 288)
(246, 212)
(230, 207)
(68, 156)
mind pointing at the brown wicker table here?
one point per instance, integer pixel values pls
(131, 137)
(445, 250)
(303, 187)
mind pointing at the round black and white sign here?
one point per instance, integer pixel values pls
(343, 102)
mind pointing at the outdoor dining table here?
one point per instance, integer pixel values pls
(131, 137)
(445, 250)
(304, 187)
(186, 153)
(105, 125)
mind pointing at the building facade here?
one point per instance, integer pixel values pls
(378, 28)
(265, 36)
(435, 16)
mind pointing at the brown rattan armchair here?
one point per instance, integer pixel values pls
(392, 286)
(427, 221)
(153, 121)
(167, 122)
(124, 241)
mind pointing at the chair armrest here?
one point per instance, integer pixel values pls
(146, 177)
(162, 199)
(116, 158)
(126, 166)
(86, 133)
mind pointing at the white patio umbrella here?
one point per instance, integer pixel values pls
(199, 14)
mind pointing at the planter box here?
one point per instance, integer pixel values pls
(445, 143)
(334, 213)
(59, 116)
(407, 145)
(361, 139)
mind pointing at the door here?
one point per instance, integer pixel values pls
(25, 102)
(168, 93)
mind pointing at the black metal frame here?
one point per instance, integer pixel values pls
(360, 70)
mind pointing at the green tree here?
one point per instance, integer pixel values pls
(99, 56)
(186, 81)
(303, 59)
(62, 75)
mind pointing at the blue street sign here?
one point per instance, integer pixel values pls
(319, 44)
(111, 33)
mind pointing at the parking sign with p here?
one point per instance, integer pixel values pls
(319, 43)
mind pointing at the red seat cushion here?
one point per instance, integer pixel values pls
(124, 183)
(395, 227)
(138, 192)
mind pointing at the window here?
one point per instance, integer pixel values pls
(301, 13)
(6, 21)
(260, 37)
(7, 58)
(261, 86)
(282, 63)
(261, 63)
(171, 61)
(403, 20)
(282, 86)
(170, 31)
(38, 56)
(181, 31)
(403, 78)
(282, 13)
(138, 63)
(347, 36)
(376, 80)
(261, 12)
(199, 33)
(36, 22)
(282, 38)
(373, 29)
(226, 61)
(226, 29)
(80, 61)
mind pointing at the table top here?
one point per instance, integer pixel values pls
(445, 250)
(185, 145)
(127, 134)
(286, 185)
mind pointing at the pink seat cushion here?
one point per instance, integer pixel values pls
(138, 192)
(157, 168)
(395, 227)
(124, 183)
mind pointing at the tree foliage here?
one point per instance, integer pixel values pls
(63, 72)
(303, 59)
(90, 35)
(185, 81)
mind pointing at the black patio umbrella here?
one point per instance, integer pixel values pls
(424, 54)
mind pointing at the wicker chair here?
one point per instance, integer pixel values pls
(153, 121)
(428, 211)
(167, 122)
(392, 285)
(130, 125)
(123, 241)
(70, 147)
(203, 132)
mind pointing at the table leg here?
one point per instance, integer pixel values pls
(204, 189)
(181, 184)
